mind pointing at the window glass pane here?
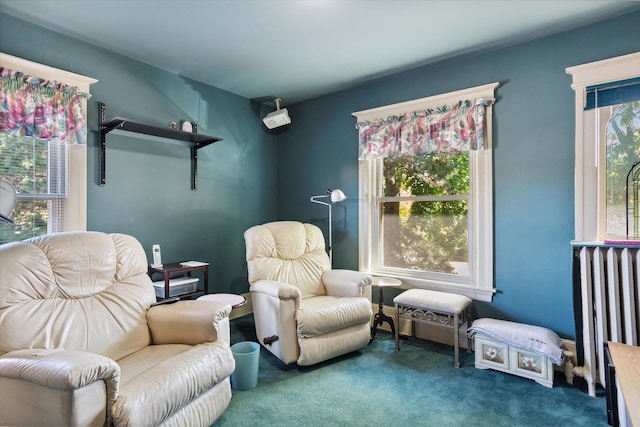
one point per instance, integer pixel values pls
(30, 219)
(33, 165)
(425, 236)
(37, 169)
(438, 174)
(622, 152)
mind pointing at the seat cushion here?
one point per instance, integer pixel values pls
(323, 314)
(158, 381)
(433, 300)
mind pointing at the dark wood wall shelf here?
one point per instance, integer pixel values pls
(195, 140)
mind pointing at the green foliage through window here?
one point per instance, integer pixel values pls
(425, 225)
(37, 169)
(622, 152)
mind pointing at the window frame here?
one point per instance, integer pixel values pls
(479, 284)
(75, 205)
(590, 215)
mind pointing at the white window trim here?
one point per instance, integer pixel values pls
(75, 211)
(588, 220)
(482, 288)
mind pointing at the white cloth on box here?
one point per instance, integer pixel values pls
(535, 339)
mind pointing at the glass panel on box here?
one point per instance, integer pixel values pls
(492, 353)
(530, 362)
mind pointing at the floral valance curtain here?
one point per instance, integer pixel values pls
(446, 129)
(30, 106)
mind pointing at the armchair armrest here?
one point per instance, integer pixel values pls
(277, 289)
(61, 369)
(189, 322)
(275, 305)
(347, 283)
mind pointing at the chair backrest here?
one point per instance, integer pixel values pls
(84, 291)
(289, 252)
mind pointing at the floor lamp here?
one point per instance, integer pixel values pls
(7, 202)
(335, 196)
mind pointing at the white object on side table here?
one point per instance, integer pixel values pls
(177, 286)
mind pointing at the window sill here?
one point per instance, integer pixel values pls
(473, 292)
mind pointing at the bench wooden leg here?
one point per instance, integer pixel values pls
(468, 324)
(456, 339)
(397, 331)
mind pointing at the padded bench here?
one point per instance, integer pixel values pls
(442, 308)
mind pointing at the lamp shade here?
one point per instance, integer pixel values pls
(7, 201)
(337, 196)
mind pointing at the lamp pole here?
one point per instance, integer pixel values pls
(336, 196)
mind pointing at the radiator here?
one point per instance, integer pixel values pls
(606, 302)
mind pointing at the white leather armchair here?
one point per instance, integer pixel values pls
(81, 343)
(304, 311)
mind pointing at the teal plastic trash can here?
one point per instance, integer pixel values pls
(247, 357)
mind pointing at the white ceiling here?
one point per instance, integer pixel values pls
(300, 49)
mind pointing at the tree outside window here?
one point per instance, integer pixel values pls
(36, 168)
(622, 133)
(425, 224)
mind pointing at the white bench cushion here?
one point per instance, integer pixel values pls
(433, 300)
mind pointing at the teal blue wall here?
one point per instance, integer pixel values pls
(148, 194)
(533, 160)
(148, 189)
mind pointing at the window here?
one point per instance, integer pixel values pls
(37, 169)
(427, 217)
(607, 103)
(619, 136)
(49, 173)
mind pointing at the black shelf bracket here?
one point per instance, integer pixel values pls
(194, 167)
(196, 141)
(103, 144)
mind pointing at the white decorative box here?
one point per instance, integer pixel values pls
(502, 357)
(177, 286)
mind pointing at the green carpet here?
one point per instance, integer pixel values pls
(417, 386)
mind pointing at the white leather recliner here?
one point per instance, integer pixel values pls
(304, 311)
(81, 343)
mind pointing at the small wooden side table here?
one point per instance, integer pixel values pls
(233, 300)
(171, 269)
(380, 317)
